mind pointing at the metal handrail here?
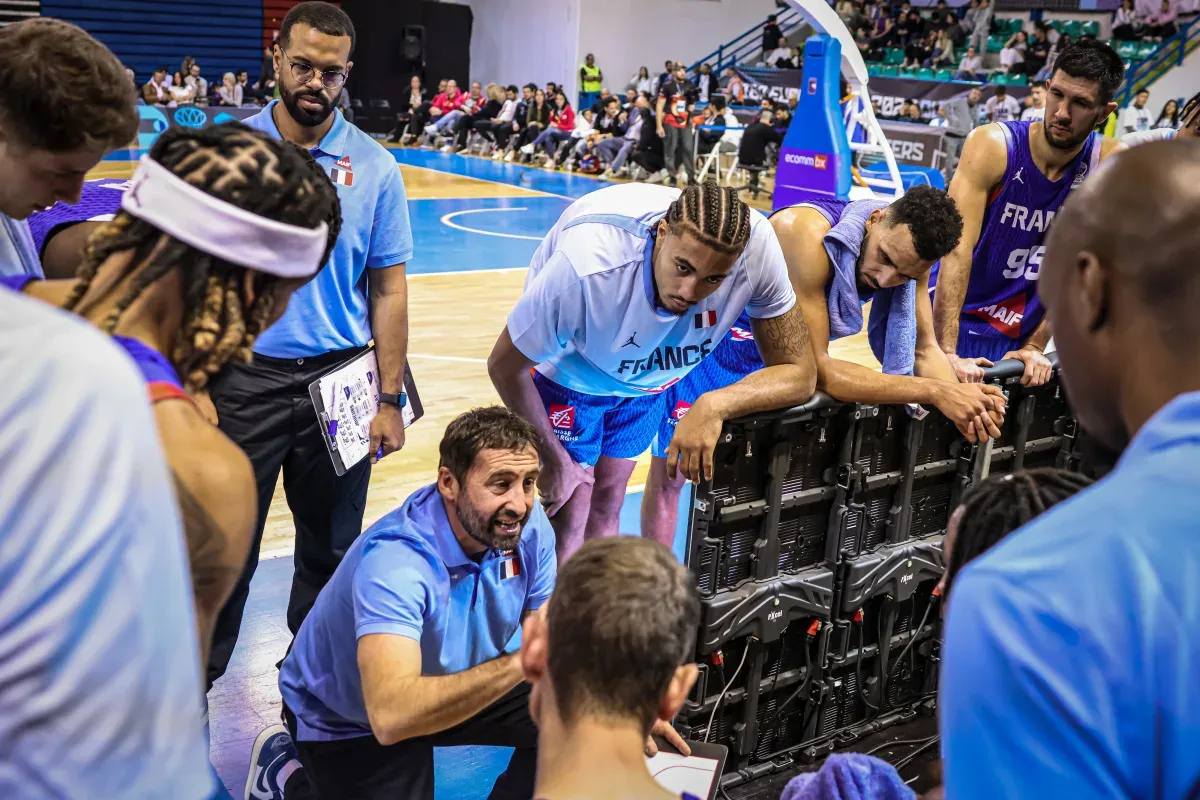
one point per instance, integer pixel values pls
(732, 52)
(1169, 54)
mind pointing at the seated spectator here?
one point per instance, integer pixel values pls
(782, 52)
(180, 92)
(1070, 650)
(537, 118)
(942, 54)
(648, 154)
(752, 152)
(614, 151)
(192, 78)
(1001, 107)
(726, 141)
(845, 9)
(1038, 53)
(914, 113)
(971, 68)
(601, 684)
(485, 113)
(1169, 116)
(562, 124)
(882, 34)
(942, 119)
(1136, 116)
(230, 91)
(1127, 24)
(643, 82)
(597, 107)
(411, 118)
(248, 92)
(575, 147)
(501, 124)
(509, 134)
(404, 650)
(735, 89)
(444, 110)
(156, 92)
(1162, 25)
(1012, 55)
(920, 49)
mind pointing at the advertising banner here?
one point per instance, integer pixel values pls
(155, 119)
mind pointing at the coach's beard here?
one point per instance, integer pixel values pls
(305, 115)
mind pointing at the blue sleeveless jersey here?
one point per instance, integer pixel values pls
(1002, 306)
(100, 200)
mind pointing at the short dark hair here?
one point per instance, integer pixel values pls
(162, 68)
(487, 428)
(61, 90)
(718, 102)
(999, 505)
(533, 87)
(1093, 61)
(933, 219)
(323, 17)
(612, 98)
(512, 87)
(1142, 90)
(1001, 90)
(622, 619)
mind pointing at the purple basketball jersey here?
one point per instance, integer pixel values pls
(100, 200)
(1002, 307)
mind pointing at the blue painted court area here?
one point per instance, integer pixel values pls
(564, 184)
(479, 233)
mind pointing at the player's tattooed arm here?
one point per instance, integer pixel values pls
(212, 577)
(787, 337)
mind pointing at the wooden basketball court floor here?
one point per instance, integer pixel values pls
(476, 224)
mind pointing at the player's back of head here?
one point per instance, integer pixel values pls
(271, 179)
(622, 621)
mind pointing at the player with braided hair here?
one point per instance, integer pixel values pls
(219, 227)
(998, 506)
(632, 288)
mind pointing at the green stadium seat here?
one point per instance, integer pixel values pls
(908, 72)
(1015, 25)
(895, 55)
(1018, 80)
(1146, 49)
(891, 71)
(1070, 28)
(1089, 28)
(995, 43)
(925, 73)
(944, 75)
(1127, 50)
(874, 69)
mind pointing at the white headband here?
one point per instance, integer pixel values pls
(221, 229)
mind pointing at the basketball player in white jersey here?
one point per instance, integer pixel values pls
(629, 291)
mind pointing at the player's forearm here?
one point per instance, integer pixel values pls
(1040, 336)
(424, 705)
(769, 388)
(931, 362)
(509, 371)
(854, 383)
(948, 299)
(389, 328)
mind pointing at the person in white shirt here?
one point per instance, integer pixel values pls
(629, 291)
(1189, 127)
(1035, 109)
(615, 150)
(941, 120)
(1002, 108)
(584, 127)
(971, 67)
(782, 52)
(1013, 52)
(99, 666)
(1136, 116)
(643, 82)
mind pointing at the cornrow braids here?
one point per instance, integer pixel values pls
(273, 179)
(712, 213)
(1001, 504)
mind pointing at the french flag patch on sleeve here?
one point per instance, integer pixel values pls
(706, 319)
(510, 566)
(342, 174)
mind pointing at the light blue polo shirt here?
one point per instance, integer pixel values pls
(330, 312)
(408, 576)
(1072, 658)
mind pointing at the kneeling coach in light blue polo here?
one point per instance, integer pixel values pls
(405, 647)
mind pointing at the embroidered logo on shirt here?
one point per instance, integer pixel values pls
(1018, 177)
(510, 566)
(706, 319)
(632, 341)
(680, 410)
(342, 174)
(562, 417)
(741, 334)
(1004, 316)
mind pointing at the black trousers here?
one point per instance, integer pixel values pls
(265, 408)
(364, 769)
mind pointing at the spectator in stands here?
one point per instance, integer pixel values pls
(956, 30)
(941, 18)
(647, 154)
(229, 92)
(665, 77)
(642, 82)
(963, 115)
(499, 124)
(846, 9)
(943, 51)
(982, 26)
(942, 119)
(248, 92)
(591, 79)
(1012, 55)
(717, 114)
(971, 68)
(562, 124)
(1038, 61)
(537, 117)
(771, 35)
(1162, 25)
(904, 30)
(485, 114)
(706, 83)
(1127, 24)
(598, 106)
(1035, 103)
(753, 150)
(444, 110)
(266, 73)
(920, 50)
(676, 101)
(998, 506)
(914, 113)
(408, 118)
(156, 92)
(1169, 116)
(186, 68)
(180, 93)
(882, 34)
(509, 136)
(735, 89)
(1001, 107)
(600, 685)
(782, 52)
(1069, 665)
(614, 151)
(1136, 117)
(576, 146)
(200, 85)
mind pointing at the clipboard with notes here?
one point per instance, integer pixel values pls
(346, 400)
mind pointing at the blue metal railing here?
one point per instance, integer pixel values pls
(741, 48)
(1169, 54)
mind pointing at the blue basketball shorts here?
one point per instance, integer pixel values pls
(733, 359)
(977, 340)
(590, 426)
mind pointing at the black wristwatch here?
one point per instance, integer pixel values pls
(397, 400)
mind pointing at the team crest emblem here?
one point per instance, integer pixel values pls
(562, 418)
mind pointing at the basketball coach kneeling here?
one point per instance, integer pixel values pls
(405, 647)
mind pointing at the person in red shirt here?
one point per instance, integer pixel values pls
(676, 100)
(562, 122)
(445, 110)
